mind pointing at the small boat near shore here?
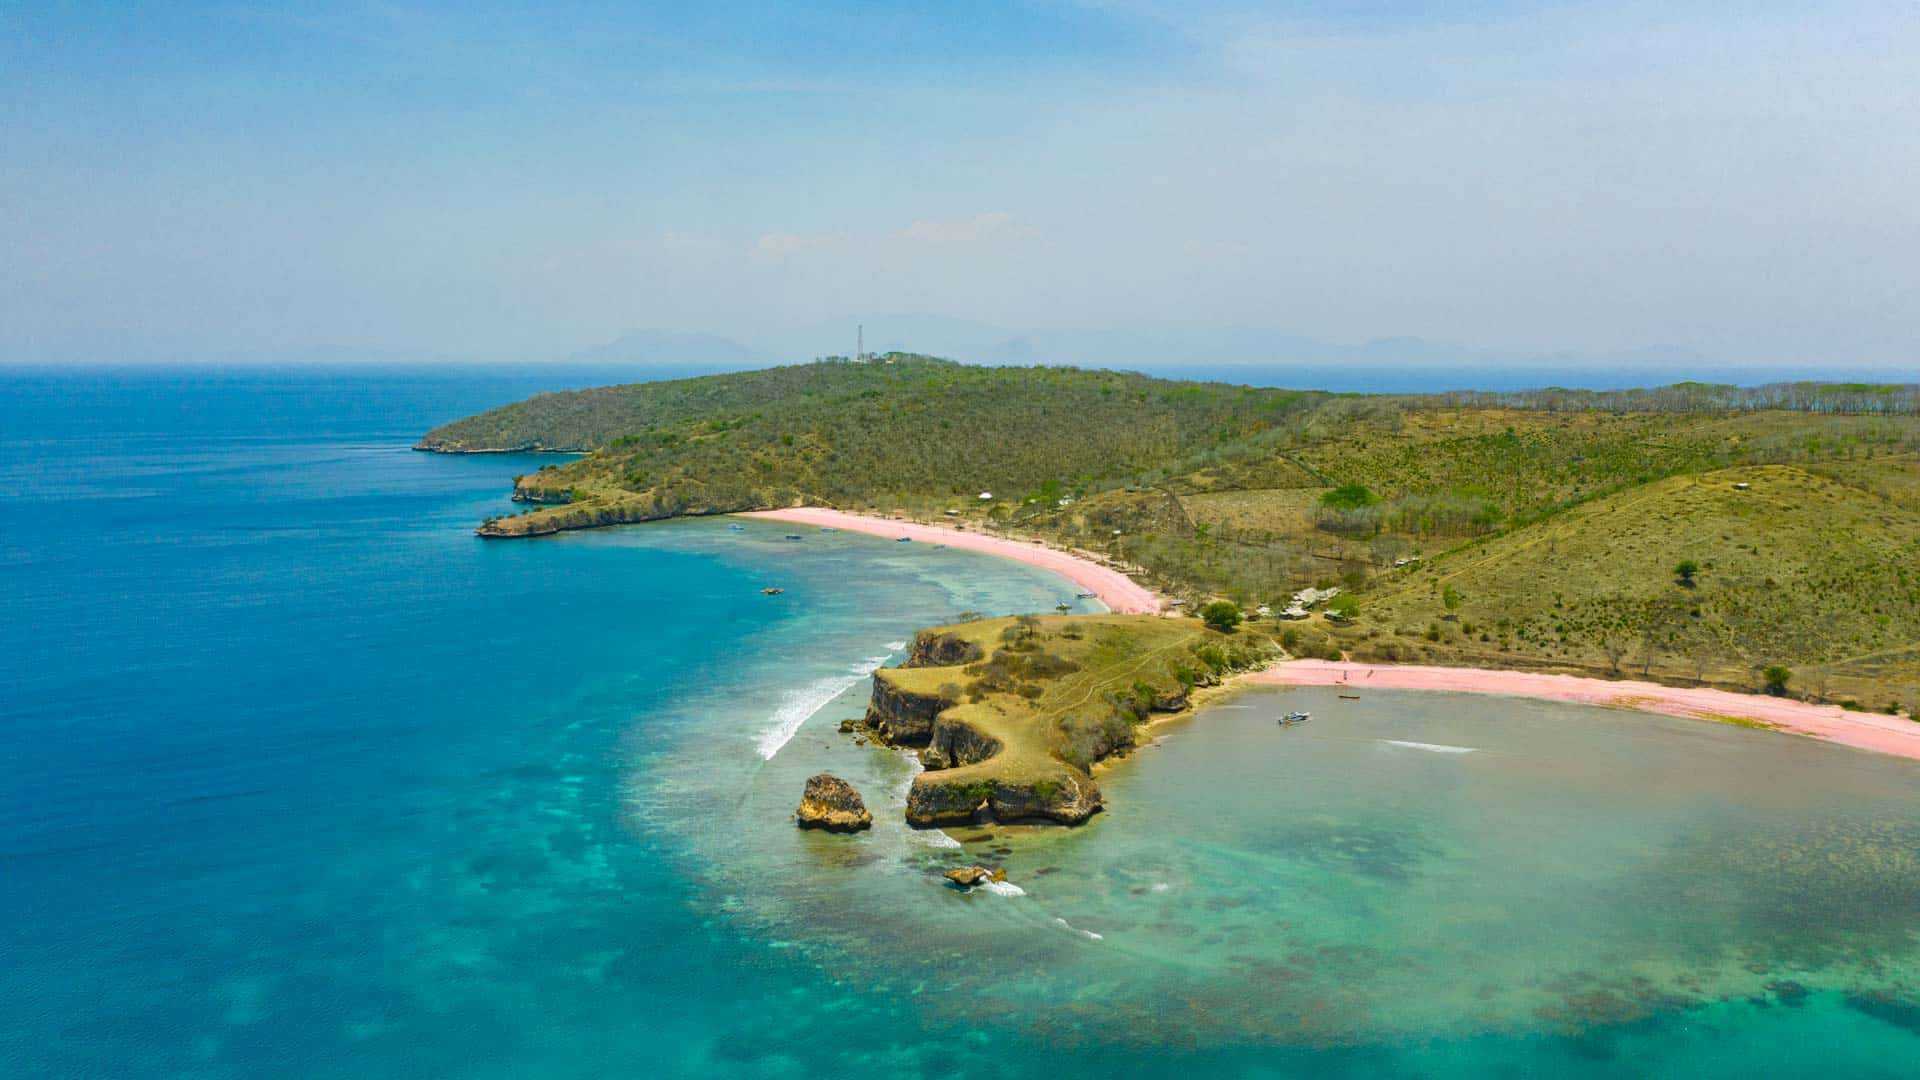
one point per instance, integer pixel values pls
(1349, 697)
(736, 528)
(1293, 718)
(772, 590)
(793, 536)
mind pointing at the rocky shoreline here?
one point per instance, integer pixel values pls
(962, 784)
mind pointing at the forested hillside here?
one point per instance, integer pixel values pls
(1532, 529)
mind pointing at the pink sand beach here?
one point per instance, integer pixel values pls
(1115, 589)
(1866, 731)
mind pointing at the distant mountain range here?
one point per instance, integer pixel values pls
(1152, 348)
(671, 347)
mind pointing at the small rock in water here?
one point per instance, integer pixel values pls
(967, 877)
(831, 803)
(846, 727)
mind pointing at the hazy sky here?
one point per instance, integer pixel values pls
(492, 181)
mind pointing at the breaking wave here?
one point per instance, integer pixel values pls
(1435, 748)
(799, 705)
(1088, 934)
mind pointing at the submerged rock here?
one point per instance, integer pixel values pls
(968, 876)
(831, 803)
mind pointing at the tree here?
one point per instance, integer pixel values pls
(1685, 572)
(1450, 597)
(1615, 647)
(1777, 676)
(1222, 615)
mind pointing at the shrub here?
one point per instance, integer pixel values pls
(1777, 677)
(1222, 615)
(1349, 497)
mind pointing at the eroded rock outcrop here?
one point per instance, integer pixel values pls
(966, 877)
(962, 796)
(832, 804)
(955, 743)
(934, 649)
(903, 717)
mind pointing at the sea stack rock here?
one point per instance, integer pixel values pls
(830, 803)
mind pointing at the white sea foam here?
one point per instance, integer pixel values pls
(896, 646)
(1088, 934)
(1003, 888)
(799, 705)
(1435, 748)
(934, 838)
(1161, 886)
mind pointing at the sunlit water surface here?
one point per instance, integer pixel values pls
(304, 779)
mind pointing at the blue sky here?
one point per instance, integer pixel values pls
(498, 181)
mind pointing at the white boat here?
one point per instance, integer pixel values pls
(1295, 718)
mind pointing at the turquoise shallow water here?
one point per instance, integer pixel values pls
(303, 779)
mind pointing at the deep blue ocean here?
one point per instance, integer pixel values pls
(298, 777)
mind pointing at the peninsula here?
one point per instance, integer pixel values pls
(1759, 540)
(1011, 714)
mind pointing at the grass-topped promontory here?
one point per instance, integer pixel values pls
(1543, 529)
(1013, 713)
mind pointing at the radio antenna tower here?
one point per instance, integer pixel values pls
(860, 346)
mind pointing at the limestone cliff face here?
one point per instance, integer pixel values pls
(561, 512)
(931, 649)
(535, 489)
(902, 717)
(955, 743)
(960, 796)
(586, 515)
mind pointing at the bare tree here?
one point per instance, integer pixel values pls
(1615, 647)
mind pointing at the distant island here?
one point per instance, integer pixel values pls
(1759, 539)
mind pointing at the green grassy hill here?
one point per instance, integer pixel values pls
(1556, 517)
(1798, 569)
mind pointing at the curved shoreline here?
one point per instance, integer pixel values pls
(1874, 732)
(1119, 592)
(1883, 734)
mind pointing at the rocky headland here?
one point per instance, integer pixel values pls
(1010, 715)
